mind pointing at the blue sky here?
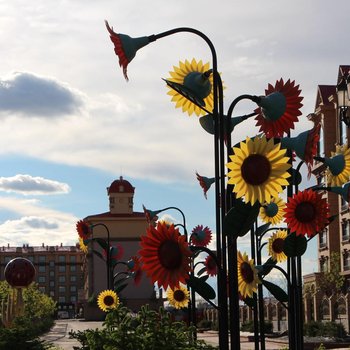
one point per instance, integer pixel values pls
(71, 124)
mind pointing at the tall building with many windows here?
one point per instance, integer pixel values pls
(59, 271)
(336, 237)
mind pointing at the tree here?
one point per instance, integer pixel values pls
(332, 281)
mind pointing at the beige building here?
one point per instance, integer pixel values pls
(59, 272)
(336, 237)
(125, 226)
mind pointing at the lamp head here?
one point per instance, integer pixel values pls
(207, 123)
(343, 95)
(196, 87)
(273, 105)
(126, 47)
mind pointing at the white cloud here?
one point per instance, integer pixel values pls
(36, 225)
(27, 184)
(28, 94)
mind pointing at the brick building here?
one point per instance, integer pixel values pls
(125, 226)
(336, 237)
(59, 271)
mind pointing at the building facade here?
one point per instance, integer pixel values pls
(125, 227)
(59, 272)
(336, 237)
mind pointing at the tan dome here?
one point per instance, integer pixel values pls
(120, 186)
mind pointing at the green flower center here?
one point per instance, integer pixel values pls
(170, 255)
(108, 300)
(247, 272)
(305, 212)
(271, 210)
(256, 169)
(179, 295)
(278, 245)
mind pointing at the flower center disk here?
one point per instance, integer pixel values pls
(255, 169)
(179, 295)
(278, 245)
(108, 300)
(305, 212)
(247, 272)
(170, 255)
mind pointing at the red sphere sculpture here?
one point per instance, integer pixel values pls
(19, 272)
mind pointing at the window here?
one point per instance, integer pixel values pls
(7, 259)
(73, 268)
(42, 268)
(73, 298)
(62, 289)
(73, 258)
(42, 289)
(320, 148)
(52, 263)
(73, 288)
(62, 279)
(323, 239)
(62, 268)
(52, 273)
(62, 258)
(345, 234)
(73, 278)
(325, 308)
(31, 258)
(41, 279)
(52, 283)
(346, 260)
(323, 264)
(342, 133)
(42, 258)
(52, 293)
(61, 299)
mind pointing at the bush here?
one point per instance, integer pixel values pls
(249, 327)
(37, 319)
(204, 324)
(149, 330)
(326, 329)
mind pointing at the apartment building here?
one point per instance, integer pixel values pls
(336, 237)
(59, 272)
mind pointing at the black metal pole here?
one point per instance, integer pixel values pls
(256, 298)
(260, 296)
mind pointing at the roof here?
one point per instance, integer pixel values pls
(323, 92)
(120, 186)
(344, 70)
(110, 215)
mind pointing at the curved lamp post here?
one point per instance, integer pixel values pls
(227, 207)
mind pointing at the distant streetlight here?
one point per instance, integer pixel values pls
(343, 94)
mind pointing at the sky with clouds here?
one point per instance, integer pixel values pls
(71, 124)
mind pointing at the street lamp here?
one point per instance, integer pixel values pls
(343, 94)
(258, 172)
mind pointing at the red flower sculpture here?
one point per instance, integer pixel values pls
(279, 109)
(306, 213)
(165, 255)
(201, 236)
(210, 265)
(83, 229)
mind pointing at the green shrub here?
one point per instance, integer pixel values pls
(149, 330)
(326, 329)
(37, 319)
(204, 324)
(249, 327)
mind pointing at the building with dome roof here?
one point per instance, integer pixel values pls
(125, 227)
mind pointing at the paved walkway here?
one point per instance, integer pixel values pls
(59, 336)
